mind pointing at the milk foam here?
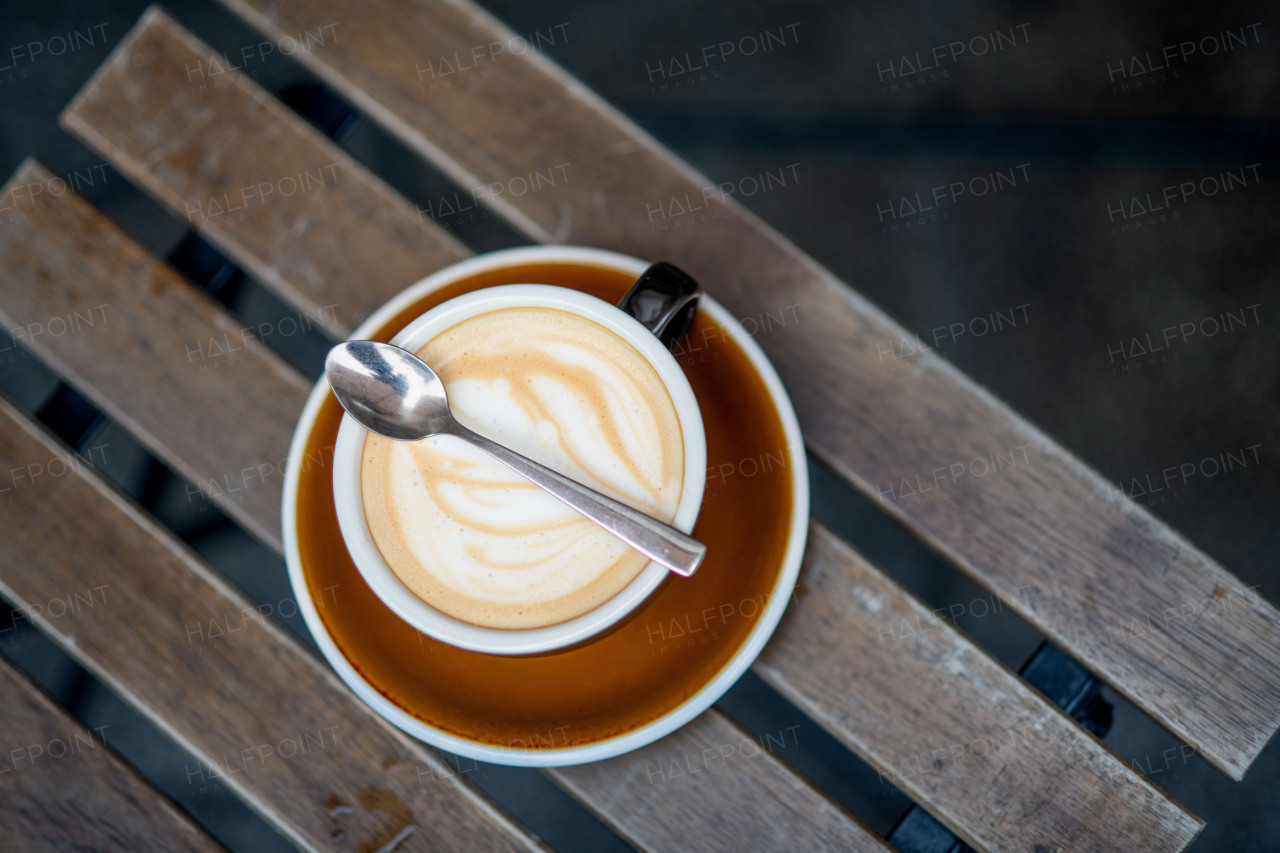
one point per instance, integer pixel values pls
(479, 542)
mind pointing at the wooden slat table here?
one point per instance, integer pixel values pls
(1087, 564)
(157, 38)
(1082, 565)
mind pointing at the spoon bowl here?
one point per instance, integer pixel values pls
(388, 390)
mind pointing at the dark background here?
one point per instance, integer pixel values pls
(822, 109)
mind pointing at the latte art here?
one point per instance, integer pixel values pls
(477, 541)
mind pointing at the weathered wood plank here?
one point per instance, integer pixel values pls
(710, 786)
(996, 692)
(202, 371)
(260, 715)
(761, 788)
(61, 788)
(253, 178)
(973, 725)
(1093, 564)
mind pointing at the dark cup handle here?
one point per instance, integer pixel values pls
(664, 299)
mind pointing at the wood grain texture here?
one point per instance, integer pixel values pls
(253, 178)
(62, 789)
(173, 370)
(711, 786)
(1102, 576)
(257, 713)
(972, 724)
(762, 788)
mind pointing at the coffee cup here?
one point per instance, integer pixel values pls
(464, 550)
(651, 673)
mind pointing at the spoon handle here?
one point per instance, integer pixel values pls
(657, 540)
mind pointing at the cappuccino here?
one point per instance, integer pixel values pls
(478, 542)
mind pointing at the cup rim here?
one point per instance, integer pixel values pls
(678, 716)
(393, 592)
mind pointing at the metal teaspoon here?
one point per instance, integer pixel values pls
(394, 393)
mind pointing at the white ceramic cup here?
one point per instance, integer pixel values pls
(418, 613)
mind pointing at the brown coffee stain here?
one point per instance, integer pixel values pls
(638, 670)
(1219, 592)
(399, 826)
(334, 806)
